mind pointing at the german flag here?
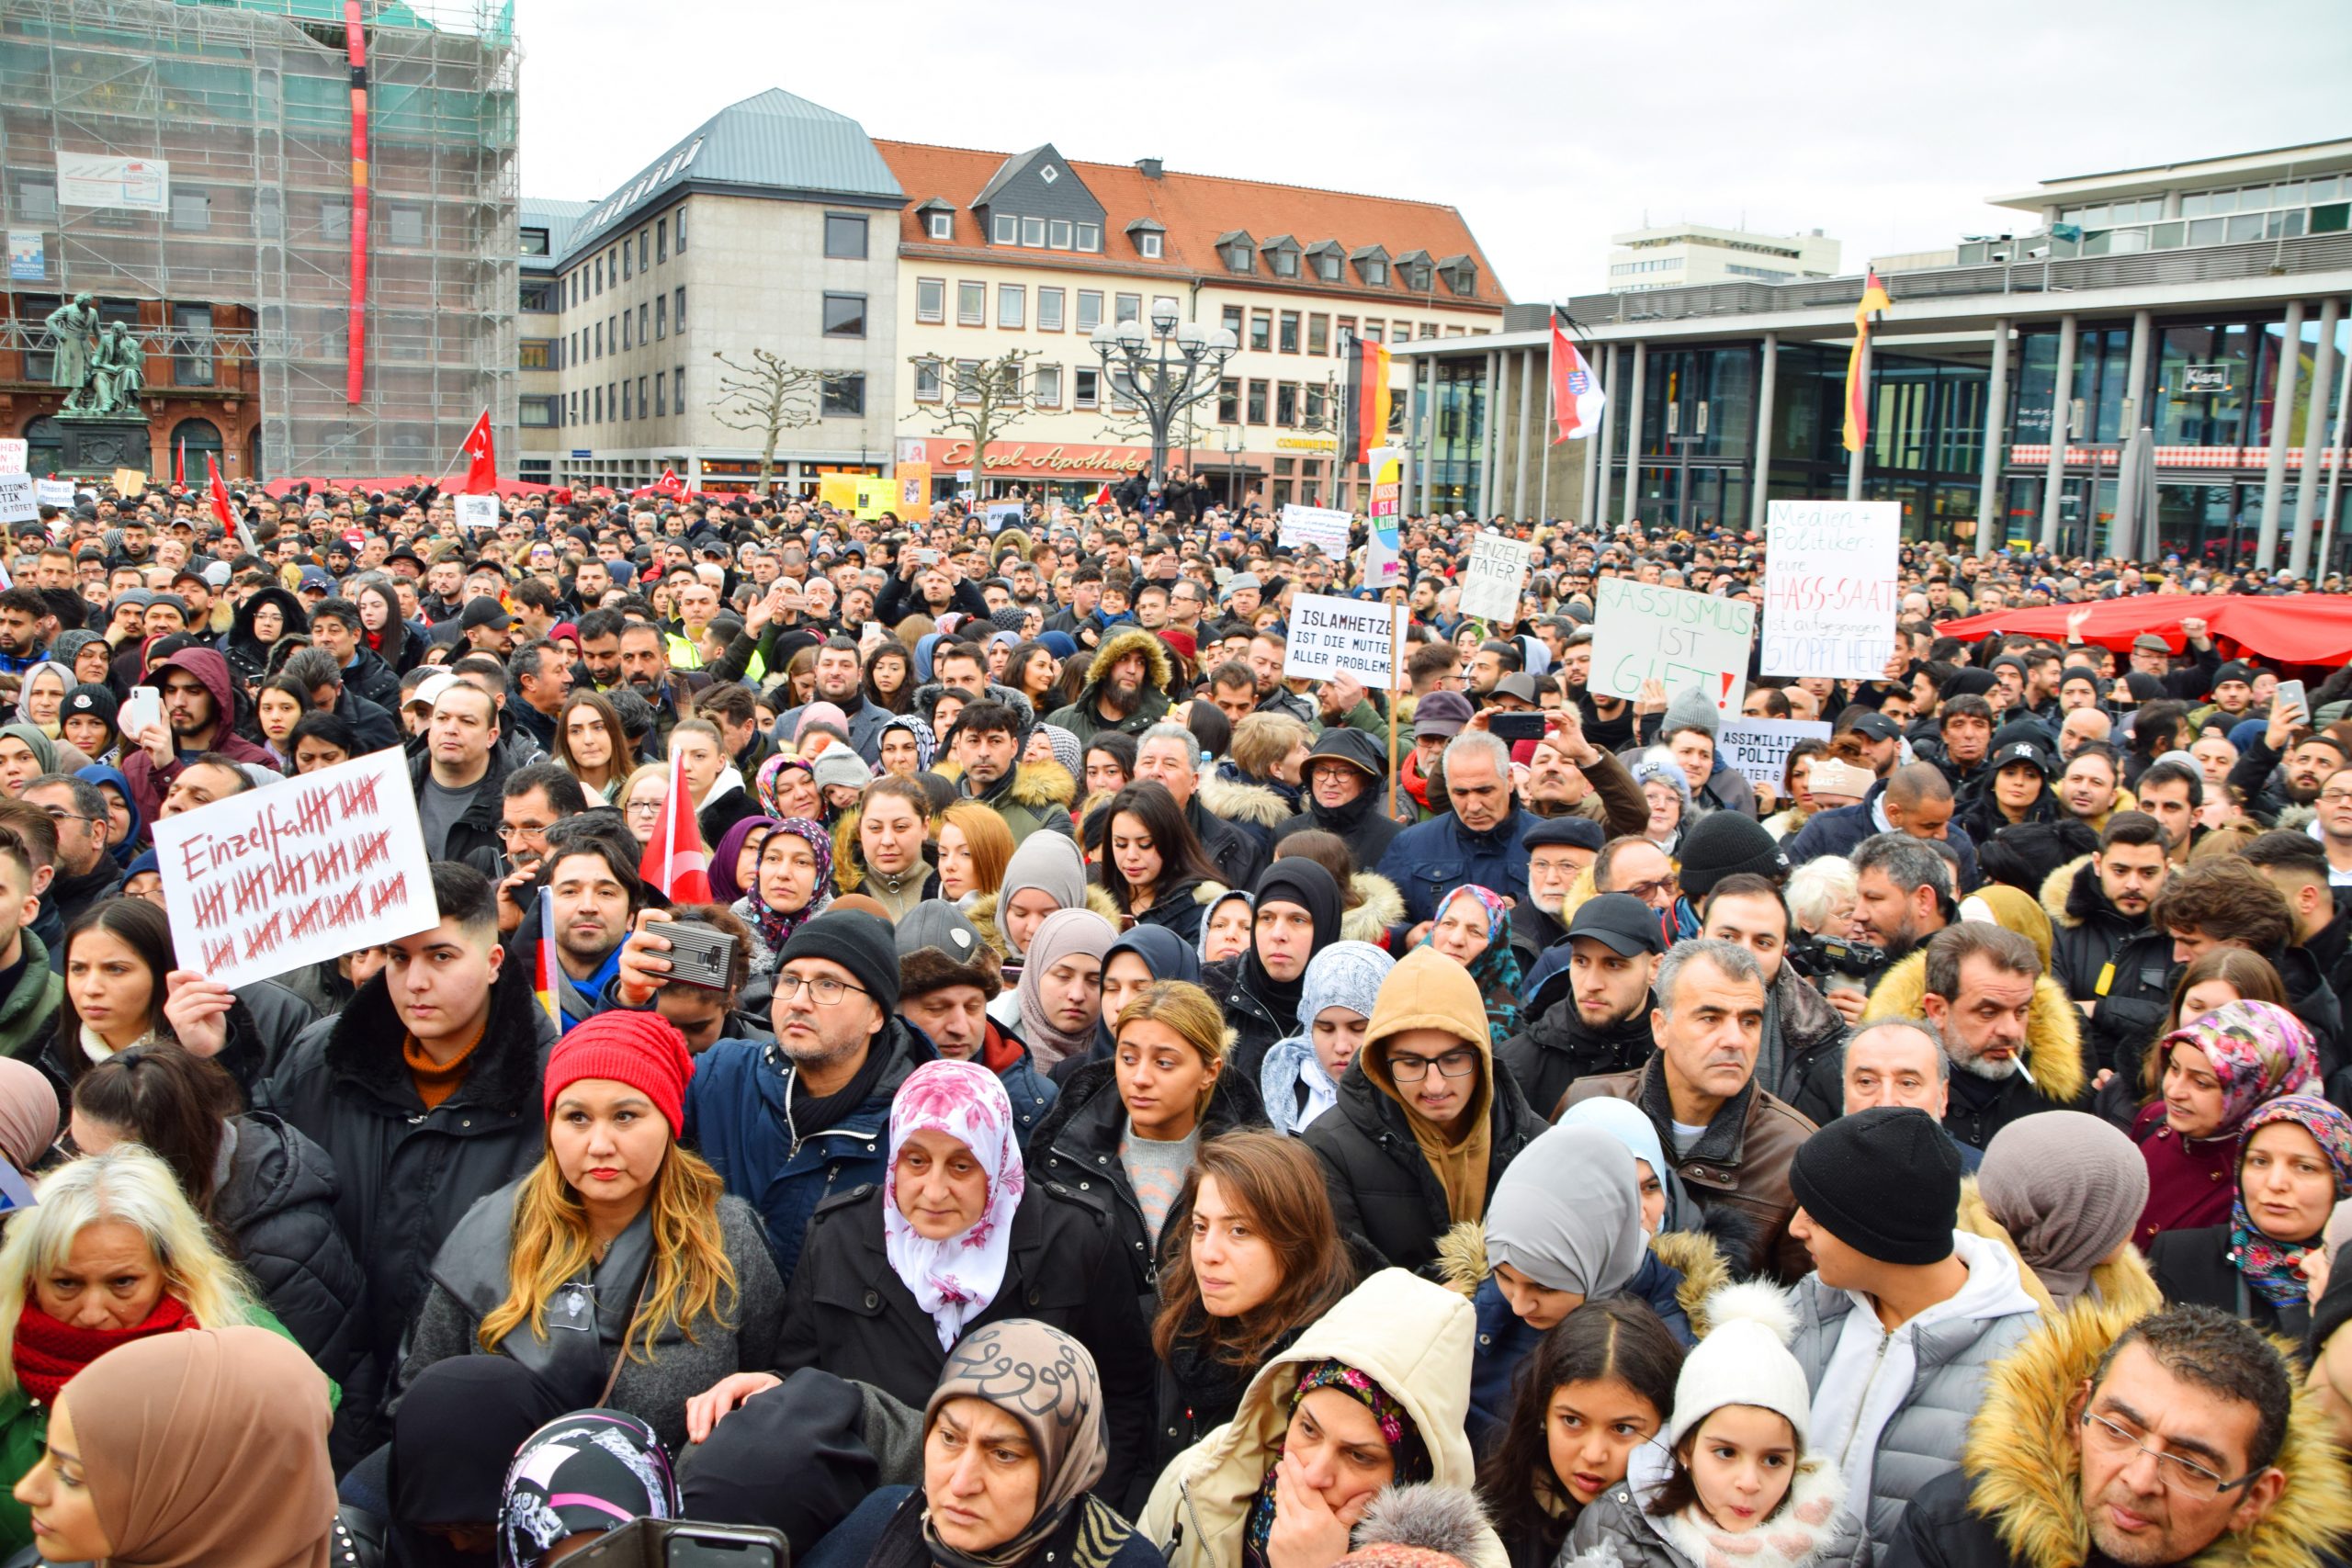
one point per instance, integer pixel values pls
(1364, 400)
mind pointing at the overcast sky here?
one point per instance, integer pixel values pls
(1549, 125)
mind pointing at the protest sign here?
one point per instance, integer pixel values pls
(1325, 527)
(838, 491)
(875, 495)
(131, 481)
(53, 493)
(1330, 636)
(1382, 566)
(13, 452)
(1683, 639)
(1759, 748)
(1002, 514)
(17, 503)
(266, 881)
(1498, 570)
(1830, 587)
(914, 490)
(477, 511)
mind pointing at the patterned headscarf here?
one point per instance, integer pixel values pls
(1496, 969)
(955, 1278)
(592, 1471)
(775, 925)
(926, 742)
(1068, 751)
(2272, 1266)
(1405, 1445)
(2259, 1051)
(1047, 1380)
(764, 785)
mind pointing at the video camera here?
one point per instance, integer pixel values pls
(1819, 957)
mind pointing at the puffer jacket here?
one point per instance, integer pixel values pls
(1950, 1349)
(1410, 1336)
(1982, 1107)
(1432, 859)
(1083, 719)
(1554, 1047)
(1740, 1163)
(2086, 932)
(1249, 806)
(277, 1204)
(1809, 1530)
(2015, 1502)
(739, 1117)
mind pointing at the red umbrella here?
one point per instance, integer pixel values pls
(2293, 628)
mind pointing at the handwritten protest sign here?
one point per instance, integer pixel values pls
(266, 881)
(477, 511)
(1683, 639)
(17, 499)
(53, 493)
(14, 450)
(1002, 514)
(1759, 748)
(1330, 636)
(914, 488)
(1498, 570)
(1325, 527)
(1830, 591)
(875, 495)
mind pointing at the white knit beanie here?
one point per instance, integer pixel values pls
(1744, 1359)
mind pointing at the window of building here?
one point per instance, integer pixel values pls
(535, 242)
(1314, 404)
(535, 414)
(1417, 278)
(644, 408)
(660, 397)
(844, 236)
(643, 321)
(572, 408)
(1033, 232)
(1012, 305)
(1233, 322)
(629, 409)
(1049, 310)
(1256, 405)
(1347, 325)
(538, 295)
(1239, 257)
(627, 270)
(844, 315)
(1261, 331)
(968, 380)
(1004, 229)
(535, 353)
(661, 317)
(1086, 389)
(1089, 236)
(32, 197)
(678, 307)
(927, 381)
(1089, 309)
(596, 408)
(1319, 335)
(1287, 403)
(596, 340)
(678, 389)
(644, 248)
(930, 299)
(1123, 392)
(1373, 271)
(596, 277)
(191, 210)
(660, 239)
(1286, 264)
(1288, 340)
(626, 341)
(1327, 266)
(1228, 402)
(971, 304)
(682, 230)
(1403, 333)
(1127, 307)
(334, 221)
(1046, 382)
(192, 326)
(1060, 235)
(1463, 279)
(845, 396)
(406, 224)
(943, 225)
(1148, 245)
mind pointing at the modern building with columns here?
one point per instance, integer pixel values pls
(2194, 313)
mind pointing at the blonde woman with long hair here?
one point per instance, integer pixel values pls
(111, 1253)
(616, 1270)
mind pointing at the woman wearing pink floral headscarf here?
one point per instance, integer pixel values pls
(891, 1278)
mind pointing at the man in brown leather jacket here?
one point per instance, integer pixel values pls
(1732, 1142)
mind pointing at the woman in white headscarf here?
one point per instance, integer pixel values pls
(1300, 1077)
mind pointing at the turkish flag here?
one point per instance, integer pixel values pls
(670, 484)
(481, 458)
(221, 509)
(675, 859)
(179, 465)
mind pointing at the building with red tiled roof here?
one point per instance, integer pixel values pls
(1029, 252)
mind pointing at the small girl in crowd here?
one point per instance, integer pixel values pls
(1732, 1463)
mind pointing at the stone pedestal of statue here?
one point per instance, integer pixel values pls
(95, 448)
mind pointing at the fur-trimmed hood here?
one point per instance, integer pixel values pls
(1251, 803)
(1379, 909)
(1462, 1266)
(2025, 1475)
(1159, 667)
(2122, 1280)
(2053, 1040)
(982, 914)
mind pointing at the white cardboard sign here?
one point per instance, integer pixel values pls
(1330, 636)
(16, 504)
(1325, 527)
(53, 493)
(1497, 574)
(263, 882)
(14, 450)
(1760, 748)
(1830, 587)
(1684, 639)
(477, 511)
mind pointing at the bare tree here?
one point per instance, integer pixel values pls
(980, 400)
(767, 397)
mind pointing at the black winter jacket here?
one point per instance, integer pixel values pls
(1381, 1187)
(848, 1311)
(405, 1175)
(1557, 1048)
(2086, 932)
(1254, 1022)
(473, 838)
(277, 1204)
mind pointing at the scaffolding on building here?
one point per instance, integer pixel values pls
(250, 104)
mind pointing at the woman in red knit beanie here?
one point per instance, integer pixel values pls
(615, 1270)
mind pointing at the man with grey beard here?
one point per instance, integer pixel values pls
(2013, 1052)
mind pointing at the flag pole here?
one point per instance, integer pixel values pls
(1395, 681)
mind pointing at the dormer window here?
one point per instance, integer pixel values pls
(1238, 251)
(1417, 270)
(943, 225)
(1147, 246)
(1461, 275)
(1004, 229)
(1371, 265)
(1282, 255)
(1286, 264)
(1325, 258)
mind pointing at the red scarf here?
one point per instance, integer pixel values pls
(48, 1353)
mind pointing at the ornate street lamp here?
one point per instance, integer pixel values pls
(1165, 368)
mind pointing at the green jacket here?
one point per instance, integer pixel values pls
(24, 1428)
(28, 1012)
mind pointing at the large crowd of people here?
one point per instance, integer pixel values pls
(1119, 1104)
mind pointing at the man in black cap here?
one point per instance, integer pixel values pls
(1590, 1013)
(1881, 740)
(485, 626)
(787, 1121)
(1900, 1300)
(1438, 717)
(1559, 850)
(1346, 779)
(947, 976)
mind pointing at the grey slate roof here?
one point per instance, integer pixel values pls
(772, 140)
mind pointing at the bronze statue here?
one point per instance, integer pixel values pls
(118, 374)
(73, 329)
